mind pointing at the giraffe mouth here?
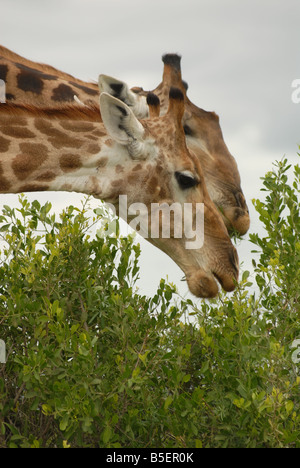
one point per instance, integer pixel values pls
(228, 283)
(202, 285)
(206, 285)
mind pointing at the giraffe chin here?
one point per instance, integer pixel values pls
(204, 285)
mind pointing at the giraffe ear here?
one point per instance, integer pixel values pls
(120, 90)
(122, 125)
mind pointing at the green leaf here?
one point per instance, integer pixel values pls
(186, 378)
(168, 402)
(289, 406)
(106, 435)
(5, 227)
(64, 422)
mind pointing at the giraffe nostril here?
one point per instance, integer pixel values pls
(239, 199)
(241, 202)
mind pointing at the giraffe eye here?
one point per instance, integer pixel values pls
(188, 131)
(186, 181)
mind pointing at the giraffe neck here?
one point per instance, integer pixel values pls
(28, 82)
(65, 151)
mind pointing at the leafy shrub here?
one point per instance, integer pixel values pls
(91, 363)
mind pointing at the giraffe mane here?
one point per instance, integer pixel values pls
(65, 111)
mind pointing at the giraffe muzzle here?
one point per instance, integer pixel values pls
(205, 284)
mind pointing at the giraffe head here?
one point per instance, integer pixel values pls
(203, 136)
(70, 149)
(164, 172)
(49, 156)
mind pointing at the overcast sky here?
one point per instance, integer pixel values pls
(238, 57)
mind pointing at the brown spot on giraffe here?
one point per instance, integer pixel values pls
(17, 132)
(65, 142)
(33, 188)
(95, 189)
(163, 192)
(93, 148)
(10, 97)
(66, 188)
(30, 82)
(4, 183)
(63, 93)
(57, 138)
(117, 183)
(102, 162)
(98, 133)
(70, 162)
(4, 144)
(43, 126)
(108, 142)
(36, 149)
(47, 176)
(152, 184)
(13, 120)
(3, 72)
(32, 157)
(131, 179)
(119, 169)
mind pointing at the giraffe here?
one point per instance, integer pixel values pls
(38, 84)
(69, 149)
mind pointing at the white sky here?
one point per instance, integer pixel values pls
(238, 57)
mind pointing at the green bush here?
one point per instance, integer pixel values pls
(91, 363)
